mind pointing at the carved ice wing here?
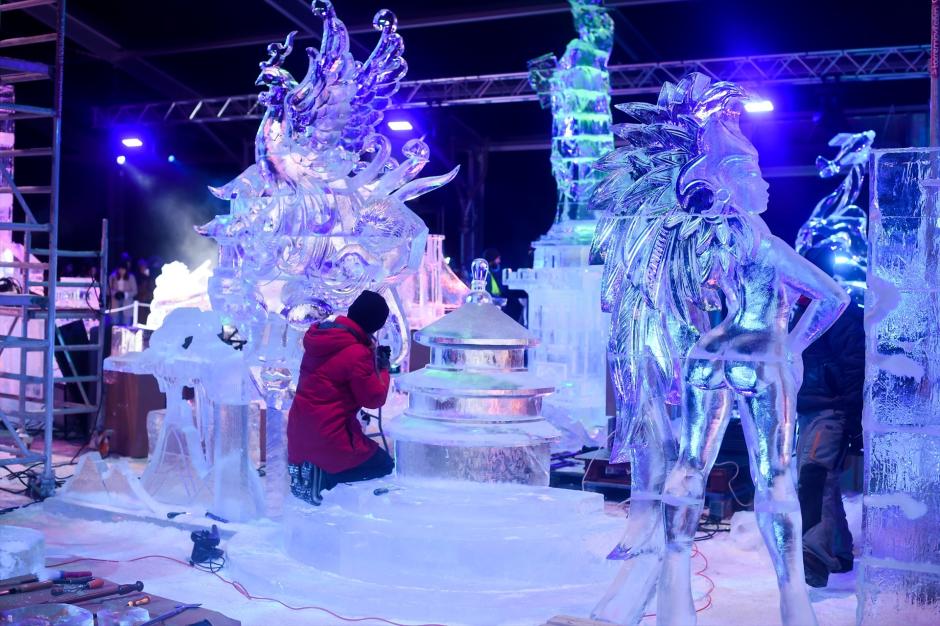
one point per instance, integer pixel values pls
(377, 80)
(318, 109)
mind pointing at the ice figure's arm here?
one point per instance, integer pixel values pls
(369, 387)
(828, 299)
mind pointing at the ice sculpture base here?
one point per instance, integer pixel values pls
(22, 551)
(470, 535)
(436, 550)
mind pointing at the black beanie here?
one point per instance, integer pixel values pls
(369, 310)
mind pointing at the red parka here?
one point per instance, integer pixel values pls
(338, 377)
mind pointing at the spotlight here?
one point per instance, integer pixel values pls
(400, 125)
(171, 159)
(121, 160)
(132, 142)
(759, 106)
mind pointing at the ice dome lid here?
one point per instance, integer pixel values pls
(477, 325)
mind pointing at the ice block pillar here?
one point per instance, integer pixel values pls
(899, 580)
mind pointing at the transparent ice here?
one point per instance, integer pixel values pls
(577, 89)
(680, 238)
(900, 573)
(433, 290)
(562, 288)
(321, 215)
(22, 551)
(474, 412)
(201, 454)
(837, 226)
(469, 514)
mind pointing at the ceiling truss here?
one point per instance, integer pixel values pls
(801, 68)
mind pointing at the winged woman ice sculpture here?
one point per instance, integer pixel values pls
(661, 260)
(322, 210)
(834, 234)
(683, 242)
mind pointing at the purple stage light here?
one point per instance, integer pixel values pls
(171, 158)
(400, 125)
(132, 142)
(121, 159)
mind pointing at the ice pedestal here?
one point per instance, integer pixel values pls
(22, 551)
(449, 534)
(900, 575)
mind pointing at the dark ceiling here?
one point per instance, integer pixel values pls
(124, 52)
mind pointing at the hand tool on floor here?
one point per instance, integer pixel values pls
(119, 590)
(25, 587)
(60, 574)
(78, 580)
(165, 616)
(94, 583)
(18, 580)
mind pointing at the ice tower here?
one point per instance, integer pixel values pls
(563, 289)
(900, 576)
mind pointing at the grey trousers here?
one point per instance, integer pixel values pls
(821, 452)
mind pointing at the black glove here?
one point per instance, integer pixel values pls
(383, 357)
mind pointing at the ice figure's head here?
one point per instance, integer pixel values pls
(687, 186)
(593, 23)
(725, 164)
(272, 75)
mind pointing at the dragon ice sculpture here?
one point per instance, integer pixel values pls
(834, 234)
(322, 210)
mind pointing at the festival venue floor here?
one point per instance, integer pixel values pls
(744, 591)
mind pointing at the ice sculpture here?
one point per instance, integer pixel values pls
(837, 227)
(469, 511)
(201, 458)
(321, 214)
(474, 412)
(683, 241)
(433, 290)
(900, 574)
(562, 289)
(22, 551)
(176, 287)
(577, 88)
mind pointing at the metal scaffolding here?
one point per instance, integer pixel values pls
(31, 286)
(800, 68)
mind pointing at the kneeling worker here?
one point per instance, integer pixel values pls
(342, 371)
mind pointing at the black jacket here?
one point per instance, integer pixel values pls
(834, 370)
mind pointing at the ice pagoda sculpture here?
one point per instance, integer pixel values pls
(562, 289)
(321, 215)
(474, 412)
(836, 230)
(899, 579)
(683, 239)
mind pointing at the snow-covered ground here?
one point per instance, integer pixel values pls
(744, 594)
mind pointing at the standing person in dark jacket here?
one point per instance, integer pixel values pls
(341, 372)
(829, 405)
